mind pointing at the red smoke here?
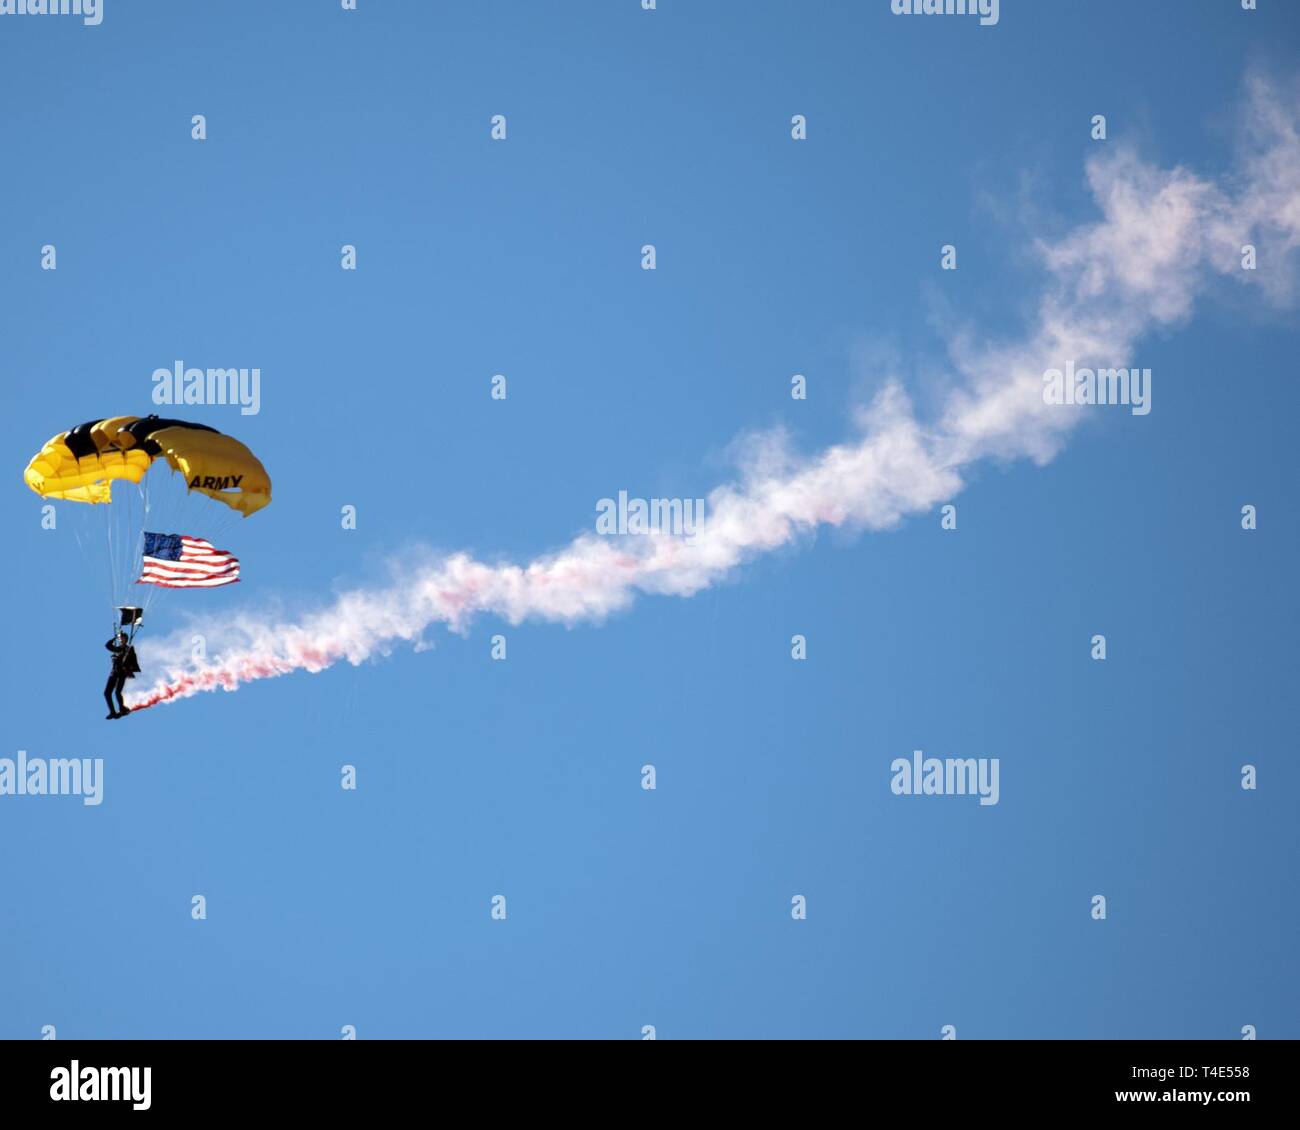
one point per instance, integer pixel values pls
(229, 677)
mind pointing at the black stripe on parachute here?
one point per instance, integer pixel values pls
(79, 441)
(143, 429)
(81, 445)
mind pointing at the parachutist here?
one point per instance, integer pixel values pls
(125, 666)
(109, 464)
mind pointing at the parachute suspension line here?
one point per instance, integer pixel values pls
(119, 520)
(150, 506)
(121, 532)
(115, 535)
(126, 542)
(83, 546)
(83, 532)
(156, 519)
(147, 524)
(112, 562)
(164, 512)
(146, 517)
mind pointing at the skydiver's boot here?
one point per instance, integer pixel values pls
(124, 712)
(112, 716)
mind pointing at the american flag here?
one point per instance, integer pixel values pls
(176, 561)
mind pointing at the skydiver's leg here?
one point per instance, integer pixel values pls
(118, 683)
(108, 695)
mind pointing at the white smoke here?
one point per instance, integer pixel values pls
(1162, 237)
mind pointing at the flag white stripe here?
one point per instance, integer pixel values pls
(200, 566)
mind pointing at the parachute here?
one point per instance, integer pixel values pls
(82, 463)
(107, 464)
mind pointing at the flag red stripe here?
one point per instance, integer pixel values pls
(190, 584)
(197, 574)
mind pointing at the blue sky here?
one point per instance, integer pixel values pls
(477, 778)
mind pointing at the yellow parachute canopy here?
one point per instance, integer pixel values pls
(81, 464)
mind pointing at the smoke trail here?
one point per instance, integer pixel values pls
(1162, 236)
